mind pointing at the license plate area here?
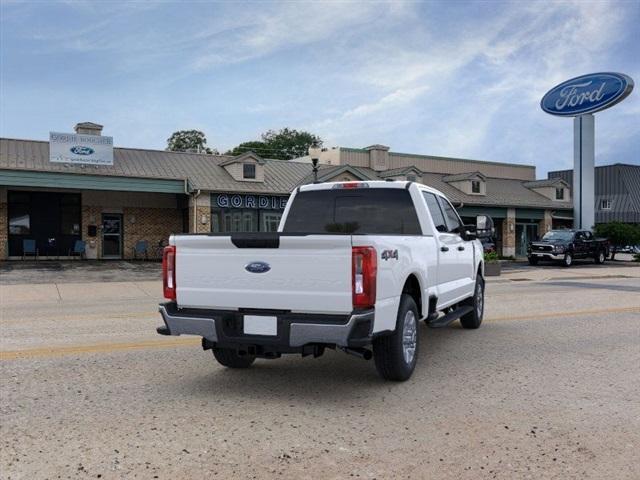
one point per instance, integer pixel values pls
(260, 325)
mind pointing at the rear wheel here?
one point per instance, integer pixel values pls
(600, 257)
(230, 358)
(567, 260)
(396, 355)
(473, 319)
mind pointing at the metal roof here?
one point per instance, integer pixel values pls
(463, 176)
(547, 182)
(205, 172)
(499, 191)
(201, 170)
(399, 171)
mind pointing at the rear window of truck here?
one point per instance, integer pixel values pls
(375, 211)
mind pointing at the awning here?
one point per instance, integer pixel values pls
(29, 178)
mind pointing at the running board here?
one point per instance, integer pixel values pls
(450, 317)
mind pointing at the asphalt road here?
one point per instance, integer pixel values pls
(548, 387)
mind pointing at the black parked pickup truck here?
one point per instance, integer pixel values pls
(566, 245)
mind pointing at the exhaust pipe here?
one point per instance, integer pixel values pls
(358, 352)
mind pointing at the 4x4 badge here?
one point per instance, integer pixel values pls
(387, 254)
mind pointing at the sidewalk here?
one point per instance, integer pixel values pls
(581, 270)
(78, 271)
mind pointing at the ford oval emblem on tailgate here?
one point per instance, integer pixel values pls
(257, 267)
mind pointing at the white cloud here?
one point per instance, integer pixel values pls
(484, 82)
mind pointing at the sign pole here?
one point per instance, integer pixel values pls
(583, 171)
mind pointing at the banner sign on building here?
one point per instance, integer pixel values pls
(266, 202)
(80, 149)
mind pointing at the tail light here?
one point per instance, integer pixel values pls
(169, 272)
(364, 268)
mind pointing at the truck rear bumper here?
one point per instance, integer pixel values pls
(225, 328)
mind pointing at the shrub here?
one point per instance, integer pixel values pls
(619, 234)
(491, 257)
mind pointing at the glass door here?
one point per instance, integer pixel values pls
(112, 235)
(525, 233)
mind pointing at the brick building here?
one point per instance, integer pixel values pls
(145, 195)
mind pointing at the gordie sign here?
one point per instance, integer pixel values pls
(270, 202)
(587, 94)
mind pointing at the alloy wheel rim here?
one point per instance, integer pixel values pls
(479, 301)
(567, 260)
(409, 337)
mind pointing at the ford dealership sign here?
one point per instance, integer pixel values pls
(587, 94)
(80, 149)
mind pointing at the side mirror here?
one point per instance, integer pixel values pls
(484, 226)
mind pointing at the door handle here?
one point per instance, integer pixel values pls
(444, 249)
(460, 248)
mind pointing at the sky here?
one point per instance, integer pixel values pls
(448, 78)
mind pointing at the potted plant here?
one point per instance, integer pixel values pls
(491, 264)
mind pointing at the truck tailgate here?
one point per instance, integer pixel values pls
(309, 273)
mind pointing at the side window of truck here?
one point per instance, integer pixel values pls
(453, 221)
(435, 211)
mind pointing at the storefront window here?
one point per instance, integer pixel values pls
(52, 219)
(19, 217)
(19, 220)
(231, 213)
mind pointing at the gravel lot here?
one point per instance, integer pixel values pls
(547, 388)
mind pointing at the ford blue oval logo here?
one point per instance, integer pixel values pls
(587, 94)
(79, 150)
(257, 267)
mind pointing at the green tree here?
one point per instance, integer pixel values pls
(283, 144)
(619, 234)
(188, 141)
(287, 144)
(257, 147)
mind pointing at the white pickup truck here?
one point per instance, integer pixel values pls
(353, 266)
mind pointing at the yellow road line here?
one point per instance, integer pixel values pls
(88, 316)
(574, 313)
(191, 341)
(97, 348)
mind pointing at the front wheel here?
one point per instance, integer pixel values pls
(473, 319)
(396, 355)
(568, 260)
(533, 260)
(600, 257)
(230, 358)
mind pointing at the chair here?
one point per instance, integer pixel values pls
(141, 248)
(79, 248)
(29, 248)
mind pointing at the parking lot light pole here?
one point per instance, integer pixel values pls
(314, 153)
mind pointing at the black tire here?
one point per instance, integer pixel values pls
(230, 358)
(473, 319)
(600, 257)
(567, 261)
(532, 260)
(389, 351)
